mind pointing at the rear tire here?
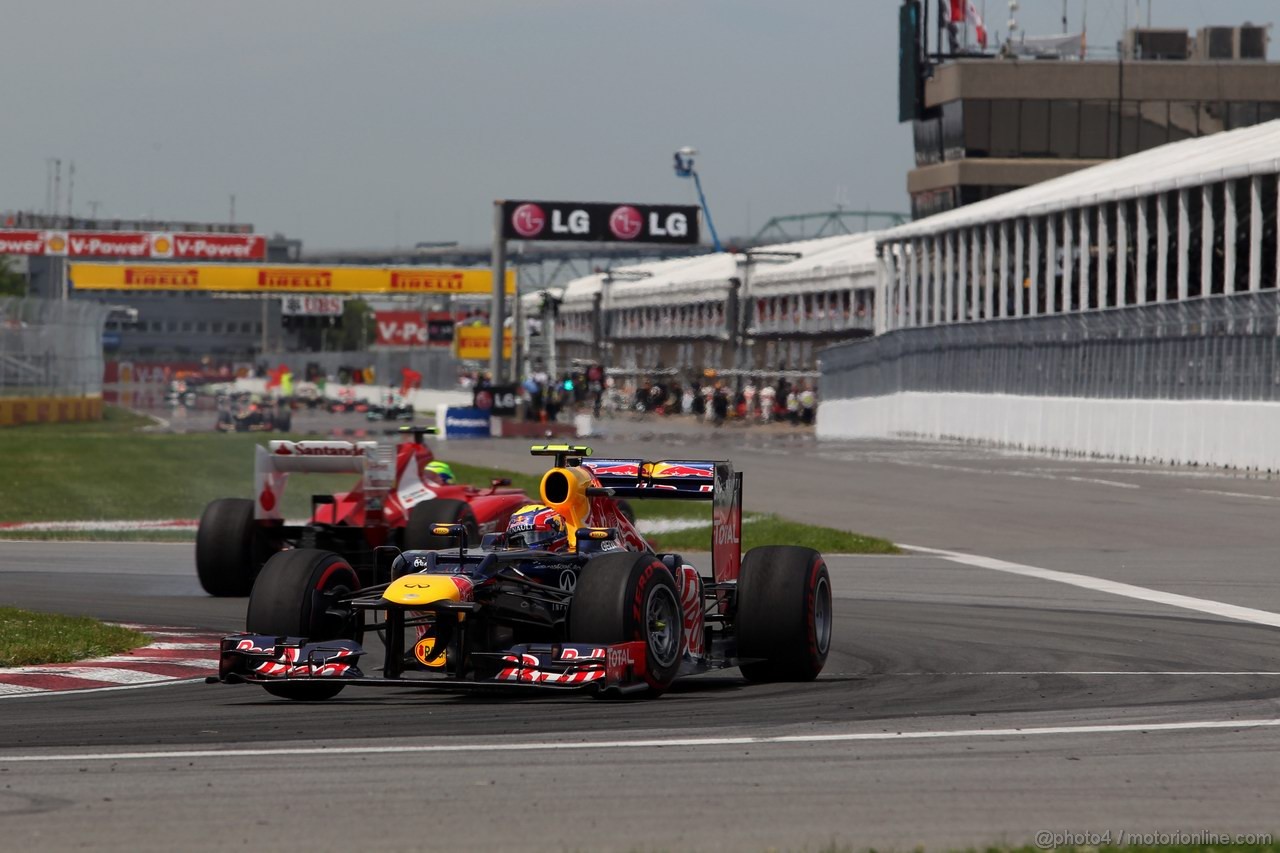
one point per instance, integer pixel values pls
(624, 596)
(230, 547)
(784, 613)
(290, 599)
(422, 517)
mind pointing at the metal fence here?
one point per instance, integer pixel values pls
(1213, 348)
(51, 348)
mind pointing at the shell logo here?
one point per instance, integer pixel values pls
(57, 243)
(162, 245)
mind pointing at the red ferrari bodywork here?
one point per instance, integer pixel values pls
(492, 506)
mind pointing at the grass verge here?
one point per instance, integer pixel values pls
(108, 470)
(762, 529)
(28, 638)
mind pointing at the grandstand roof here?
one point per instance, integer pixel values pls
(851, 255)
(697, 279)
(1191, 162)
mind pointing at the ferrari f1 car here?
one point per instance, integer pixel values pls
(392, 504)
(608, 615)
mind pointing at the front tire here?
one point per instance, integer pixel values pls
(624, 596)
(424, 516)
(230, 547)
(784, 613)
(292, 598)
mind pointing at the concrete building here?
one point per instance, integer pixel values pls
(988, 124)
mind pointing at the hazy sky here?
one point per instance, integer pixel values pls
(367, 124)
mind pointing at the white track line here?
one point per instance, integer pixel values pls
(1087, 672)
(19, 690)
(1233, 494)
(198, 663)
(548, 746)
(41, 691)
(1142, 593)
(105, 674)
(1035, 473)
(184, 647)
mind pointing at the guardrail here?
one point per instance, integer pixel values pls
(51, 348)
(1213, 348)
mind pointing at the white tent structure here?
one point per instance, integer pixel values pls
(828, 289)
(1176, 222)
(1126, 310)
(808, 288)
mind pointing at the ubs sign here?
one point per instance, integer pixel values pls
(571, 220)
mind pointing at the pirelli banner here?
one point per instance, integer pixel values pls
(18, 411)
(472, 343)
(286, 278)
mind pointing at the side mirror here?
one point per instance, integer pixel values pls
(500, 481)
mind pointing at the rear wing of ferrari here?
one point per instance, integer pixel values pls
(673, 479)
(273, 464)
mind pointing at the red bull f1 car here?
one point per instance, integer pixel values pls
(394, 503)
(607, 615)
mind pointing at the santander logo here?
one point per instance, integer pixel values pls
(528, 220)
(625, 222)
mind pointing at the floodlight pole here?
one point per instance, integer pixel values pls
(497, 308)
(684, 169)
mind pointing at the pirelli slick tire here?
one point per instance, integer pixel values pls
(422, 517)
(291, 598)
(624, 596)
(784, 613)
(230, 547)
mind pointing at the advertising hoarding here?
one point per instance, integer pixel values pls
(595, 221)
(284, 278)
(134, 245)
(471, 343)
(311, 306)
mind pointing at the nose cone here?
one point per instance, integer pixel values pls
(419, 590)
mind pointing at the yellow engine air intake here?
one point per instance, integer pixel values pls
(419, 590)
(565, 491)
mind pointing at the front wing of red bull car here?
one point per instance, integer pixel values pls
(609, 615)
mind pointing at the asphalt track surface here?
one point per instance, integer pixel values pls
(967, 699)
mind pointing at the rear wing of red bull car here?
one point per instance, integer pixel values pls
(672, 479)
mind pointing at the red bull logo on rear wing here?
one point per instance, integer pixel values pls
(697, 477)
(682, 480)
(609, 469)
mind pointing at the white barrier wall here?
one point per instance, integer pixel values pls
(1229, 433)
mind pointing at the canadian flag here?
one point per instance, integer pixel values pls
(962, 9)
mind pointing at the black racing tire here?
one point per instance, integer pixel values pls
(230, 547)
(417, 534)
(624, 596)
(784, 614)
(289, 600)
